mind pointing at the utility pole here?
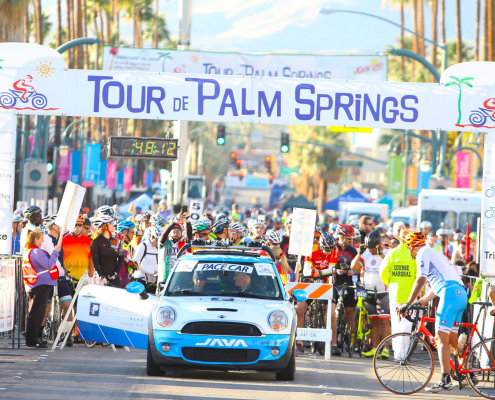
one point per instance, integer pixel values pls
(180, 127)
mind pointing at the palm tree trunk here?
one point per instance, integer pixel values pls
(35, 22)
(458, 30)
(421, 27)
(157, 5)
(442, 21)
(108, 31)
(95, 23)
(79, 34)
(85, 33)
(484, 36)
(434, 14)
(40, 21)
(402, 37)
(116, 22)
(491, 31)
(59, 23)
(26, 25)
(70, 32)
(13, 28)
(477, 32)
(415, 47)
(134, 23)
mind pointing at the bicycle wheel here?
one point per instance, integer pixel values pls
(354, 342)
(55, 318)
(409, 370)
(481, 357)
(320, 321)
(341, 328)
(89, 344)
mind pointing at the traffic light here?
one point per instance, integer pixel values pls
(284, 142)
(238, 164)
(268, 164)
(221, 135)
(271, 177)
(241, 175)
(233, 157)
(49, 159)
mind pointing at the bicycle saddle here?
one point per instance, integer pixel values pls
(483, 303)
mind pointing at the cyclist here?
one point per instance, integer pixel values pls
(16, 234)
(201, 231)
(258, 229)
(273, 239)
(221, 231)
(446, 284)
(147, 259)
(320, 266)
(77, 254)
(425, 227)
(145, 221)
(344, 275)
(370, 257)
(126, 231)
(316, 238)
(236, 233)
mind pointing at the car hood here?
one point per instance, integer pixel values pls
(223, 309)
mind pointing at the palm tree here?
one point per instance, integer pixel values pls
(79, 33)
(458, 30)
(164, 56)
(154, 36)
(11, 20)
(477, 31)
(442, 21)
(59, 23)
(459, 82)
(434, 14)
(484, 37)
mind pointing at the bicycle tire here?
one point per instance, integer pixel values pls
(475, 360)
(89, 344)
(354, 340)
(320, 320)
(55, 318)
(419, 364)
(341, 327)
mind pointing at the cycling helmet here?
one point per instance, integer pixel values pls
(17, 219)
(273, 237)
(105, 210)
(327, 242)
(99, 220)
(199, 226)
(146, 216)
(209, 216)
(288, 221)
(122, 226)
(373, 239)
(357, 234)
(162, 202)
(157, 219)
(49, 220)
(244, 231)
(259, 221)
(154, 232)
(29, 211)
(206, 221)
(345, 230)
(220, 224)
(442, 232)
(382, 227)
(425, 224)
(318, 229)
(276, 220)
(220, 216)
(416, 238)
(354, 223)
(138, 218)
(235, 227)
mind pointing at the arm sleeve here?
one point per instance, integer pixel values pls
(423, 264)
(189, 230)
(385, 269)
(39, 256)
(308, 266)
(120, 263)
(166, 232)
(96, 260)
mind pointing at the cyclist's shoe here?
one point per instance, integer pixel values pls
(36, 345)
(370, 353)
(69, 342)
(41, 341)
(440, 387)
(384, 354)
(336, 351)
(299, 349)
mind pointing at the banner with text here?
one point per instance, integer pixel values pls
(487, 255)
(7, 294)
(321, 66)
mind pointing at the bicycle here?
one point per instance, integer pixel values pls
(361, 325)
(54, 317)
(343, 334)
(477, 364)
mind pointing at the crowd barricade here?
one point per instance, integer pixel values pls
(315, 291)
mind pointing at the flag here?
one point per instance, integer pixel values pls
(131, 210)
(468, 242)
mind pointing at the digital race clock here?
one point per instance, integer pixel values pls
(139, 147)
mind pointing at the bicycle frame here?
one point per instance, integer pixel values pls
(474, 329)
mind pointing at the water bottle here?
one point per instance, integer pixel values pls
(461, 343)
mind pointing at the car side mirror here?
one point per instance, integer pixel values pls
(138, 288)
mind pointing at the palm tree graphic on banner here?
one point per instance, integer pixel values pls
(459, 82)
(164, 56)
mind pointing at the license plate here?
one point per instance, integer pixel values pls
(340, 291)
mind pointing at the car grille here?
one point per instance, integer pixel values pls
(206, 354)
(221, 328)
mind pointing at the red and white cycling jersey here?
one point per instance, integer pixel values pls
(322, 262)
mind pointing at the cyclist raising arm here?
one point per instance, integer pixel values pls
(446, 284)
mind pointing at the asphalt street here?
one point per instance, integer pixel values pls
(99, 373)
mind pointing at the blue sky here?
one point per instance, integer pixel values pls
(295, 25)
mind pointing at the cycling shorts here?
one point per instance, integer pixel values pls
(376, 307)
(453, 302)
(349, 300)
(64, 293)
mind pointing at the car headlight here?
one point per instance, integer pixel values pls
(165, 316)
(278, 320)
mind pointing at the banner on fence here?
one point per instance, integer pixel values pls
(7, 294)
(487, 255)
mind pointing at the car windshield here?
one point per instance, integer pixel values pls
(218, 278)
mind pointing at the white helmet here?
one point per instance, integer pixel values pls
(442, 232)
(273, 236)
(205, 221)
(357, 234)
(105, 210)
(259, 221)
(425, 224)
(49, 220)
(288, 221)
(355, 224)
(158, 220)
(17, 219)
(99, 220)
(153, 232)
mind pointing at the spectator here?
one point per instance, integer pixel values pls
(474, 266)
(432, 241)
(163, 209)
(394, 243)
(459, 253)
(77, 254)
(385, 244)
(86, 228)
(397, 227)
(16, 234)
(365, 226)
(37, 262)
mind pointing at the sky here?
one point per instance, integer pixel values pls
(294, 25)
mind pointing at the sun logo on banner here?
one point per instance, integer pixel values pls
(45, 70)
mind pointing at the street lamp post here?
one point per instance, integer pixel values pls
(444, 46)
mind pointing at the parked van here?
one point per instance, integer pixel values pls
(408, 215)
(356, 210)
(451, 208)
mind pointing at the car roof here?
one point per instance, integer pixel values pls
(225, 256)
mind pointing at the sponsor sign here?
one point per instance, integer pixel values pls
(487, 255)
(111, 174)
(7, 294)
(70, 206)
(75, 166)
(63, 173)
(102, 174)
(196, 209)
(321, 66)
(7, 174)
(264, 269)
(127, 183)
(463, 169)
(186, 266)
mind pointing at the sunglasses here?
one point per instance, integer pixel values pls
(79, 225)
(203, 234)
(86, 227)
(385, 245)
(177, 228)
(36, 215)
(133, 231)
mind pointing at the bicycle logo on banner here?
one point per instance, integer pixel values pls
(24, 93)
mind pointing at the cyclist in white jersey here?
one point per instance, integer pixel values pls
(445, 283)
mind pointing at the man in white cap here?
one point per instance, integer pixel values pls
(163, 211)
